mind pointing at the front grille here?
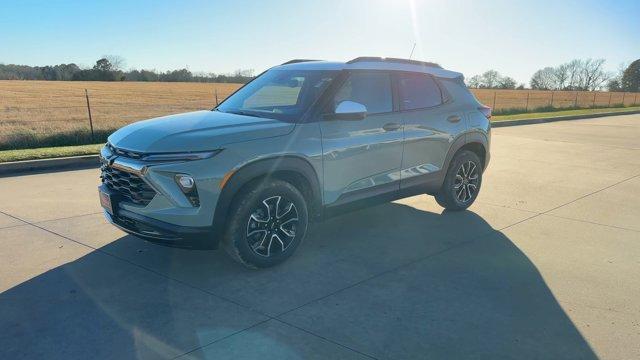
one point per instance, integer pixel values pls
(131, 187)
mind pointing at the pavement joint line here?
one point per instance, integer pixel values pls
(573, 142)
(595, 192)
(507, 207)
(593, 223)
(326, 339)
(67, 218)
(13, 226)
(221, 339)
(574, 165)
(560, 217)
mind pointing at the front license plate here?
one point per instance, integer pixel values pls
(105, 201)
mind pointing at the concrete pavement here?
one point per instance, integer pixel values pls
(544, 265)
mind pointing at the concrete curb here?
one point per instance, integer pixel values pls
(91, 161)
(558, 118)
(56, 164)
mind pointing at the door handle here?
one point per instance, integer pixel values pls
(454, 119)
(391, 126)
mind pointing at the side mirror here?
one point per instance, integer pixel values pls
(348, 110)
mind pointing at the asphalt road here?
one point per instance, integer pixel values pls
(546, 265)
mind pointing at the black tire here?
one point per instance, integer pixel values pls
(458, 190)
(261, 231)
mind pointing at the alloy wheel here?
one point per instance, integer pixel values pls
(272, 226)
(465, 185)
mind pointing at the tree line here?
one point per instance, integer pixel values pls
(110, 68)
(578, 74)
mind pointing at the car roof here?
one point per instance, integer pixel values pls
(371, 64)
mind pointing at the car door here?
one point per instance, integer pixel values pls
(431, 124)
(362, 158)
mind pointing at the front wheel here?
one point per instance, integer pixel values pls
(462, 182)
(267, 223)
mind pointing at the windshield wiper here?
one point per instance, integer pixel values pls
(244, 112)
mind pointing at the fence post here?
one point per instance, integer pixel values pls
(575, 102)
(623, 95)
(526, 107)
(86, 94)
(610, 99)
(552, 93)
(635, 98)
(593, 104)
(494, 99)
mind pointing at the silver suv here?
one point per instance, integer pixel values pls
(303, 141)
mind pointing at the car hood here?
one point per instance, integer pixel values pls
(195, 131)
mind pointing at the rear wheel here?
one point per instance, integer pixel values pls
(462, 182)
(267, 223)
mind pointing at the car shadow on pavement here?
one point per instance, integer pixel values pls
(390, 281)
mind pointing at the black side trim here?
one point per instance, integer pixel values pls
(363, 194)
(372, 200)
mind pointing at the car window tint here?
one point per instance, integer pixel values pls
(373, 90)
(418, 91)
(283, 93)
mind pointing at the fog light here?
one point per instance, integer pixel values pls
(185, 182)
(188, 187)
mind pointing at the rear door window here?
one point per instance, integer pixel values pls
(372, 89)
(418, 91)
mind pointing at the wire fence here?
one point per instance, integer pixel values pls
(55, 113)
(530, 100)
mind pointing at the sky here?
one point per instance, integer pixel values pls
(514, 37)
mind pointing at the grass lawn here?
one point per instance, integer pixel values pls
(62, 151)
(534, 115)
(48, 153)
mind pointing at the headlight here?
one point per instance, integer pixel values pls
(184, 156)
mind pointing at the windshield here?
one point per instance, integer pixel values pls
(279, 94)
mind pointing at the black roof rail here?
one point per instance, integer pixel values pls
(295, 61)
(393, 60)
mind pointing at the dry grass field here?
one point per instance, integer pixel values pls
(46, 108)
(50, 113)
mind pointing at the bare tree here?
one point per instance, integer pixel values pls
(573, 69)
(561, 76)
(507, 82)
(490, 79)
(544, 79)
(117, 62)
(475, 81)
(593, 74)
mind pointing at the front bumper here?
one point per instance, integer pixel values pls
(160, 232)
